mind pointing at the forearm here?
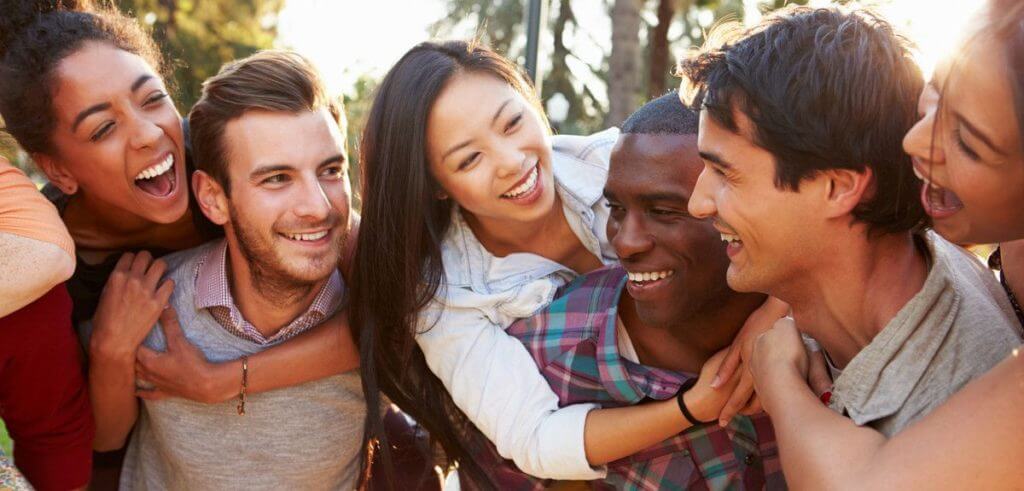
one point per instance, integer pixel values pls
(819, 448)
(31, 268)
(325, 350)
(611, 434)
(112, 392)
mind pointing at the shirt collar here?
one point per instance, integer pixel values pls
(883, 375)
(213, 290)
(623, 379)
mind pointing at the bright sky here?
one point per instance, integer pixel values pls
(347, 38)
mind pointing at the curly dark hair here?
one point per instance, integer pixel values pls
(825, 89)
(35, 36)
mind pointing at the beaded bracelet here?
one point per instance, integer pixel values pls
(245, 384)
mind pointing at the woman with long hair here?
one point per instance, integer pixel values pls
(473, 216)
(969, 149)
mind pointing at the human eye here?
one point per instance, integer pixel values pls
(155, 97)
(465, 164)
(336, 171)
(275, 179)
(514, 122)
(102, 131)
(966, 149)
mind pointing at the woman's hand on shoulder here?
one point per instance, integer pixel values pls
(129, 306)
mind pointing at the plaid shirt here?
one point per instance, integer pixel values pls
(573, 341)
(214, 293)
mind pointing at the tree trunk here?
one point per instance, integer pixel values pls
(661, 59)
(624, 62)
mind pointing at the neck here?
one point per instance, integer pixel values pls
(879, 276)
(685, 345)
(1012, 254)
(266, 301)
(506, 237)
(99, 227)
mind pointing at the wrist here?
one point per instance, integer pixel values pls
(110, 350)
(693, 403)
(222, 380)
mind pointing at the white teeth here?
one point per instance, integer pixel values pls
(524, 187)
(649, 276)
(308, 237)
(157, 169)
(731, 238)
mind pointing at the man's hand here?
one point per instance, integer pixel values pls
(182, 371)
(131, 301)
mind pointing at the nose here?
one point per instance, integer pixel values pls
(145, 133)
(312, 202)
(630, 237)
(510, 161)
(922, 142)
(702, 202)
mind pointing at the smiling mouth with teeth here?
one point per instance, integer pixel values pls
(157, 179)
(526, 186)
(730, 238)
(315, 236)
(648, 277)
(938, 201)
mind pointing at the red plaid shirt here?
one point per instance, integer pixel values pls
(573, 341)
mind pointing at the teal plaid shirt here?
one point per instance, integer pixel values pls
(573, 341)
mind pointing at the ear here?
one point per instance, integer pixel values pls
(56, 173)
(211, 197)
(845, 189)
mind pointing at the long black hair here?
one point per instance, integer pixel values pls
(398, 256)
(35, 36)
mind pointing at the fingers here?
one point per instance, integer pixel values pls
(728, 367)
(163, 294)
(171, 327)
(140, 264)
(753, 406)
(817, 373)
(155, 272)
(738, 400)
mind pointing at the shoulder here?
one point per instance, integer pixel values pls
(180, 260)
(578, 309)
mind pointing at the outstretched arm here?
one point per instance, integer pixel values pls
(496, 383)
(970, 442)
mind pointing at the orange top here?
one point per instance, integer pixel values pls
(26, 212)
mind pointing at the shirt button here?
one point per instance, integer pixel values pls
(749, 459)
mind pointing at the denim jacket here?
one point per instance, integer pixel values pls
(489, 374)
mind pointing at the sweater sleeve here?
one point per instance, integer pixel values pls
(24, 211)
(493, 379)
(43, 397)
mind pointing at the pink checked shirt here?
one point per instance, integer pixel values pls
(214, 293)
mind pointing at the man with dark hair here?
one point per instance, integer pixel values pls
(645, 329)
(273, 173)
(804, 176)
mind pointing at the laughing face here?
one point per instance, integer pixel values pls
(676, 263)
(968, 149)
(118, 141)
(489, 150)
(288, 206)
(773, 234)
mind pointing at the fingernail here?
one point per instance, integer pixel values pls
(715, 382)
(723, 423)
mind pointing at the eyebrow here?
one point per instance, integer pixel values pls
(466, 143)
(663, 196)
(977, 133)
(715, 159)
(103, 106)
(270, 169)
